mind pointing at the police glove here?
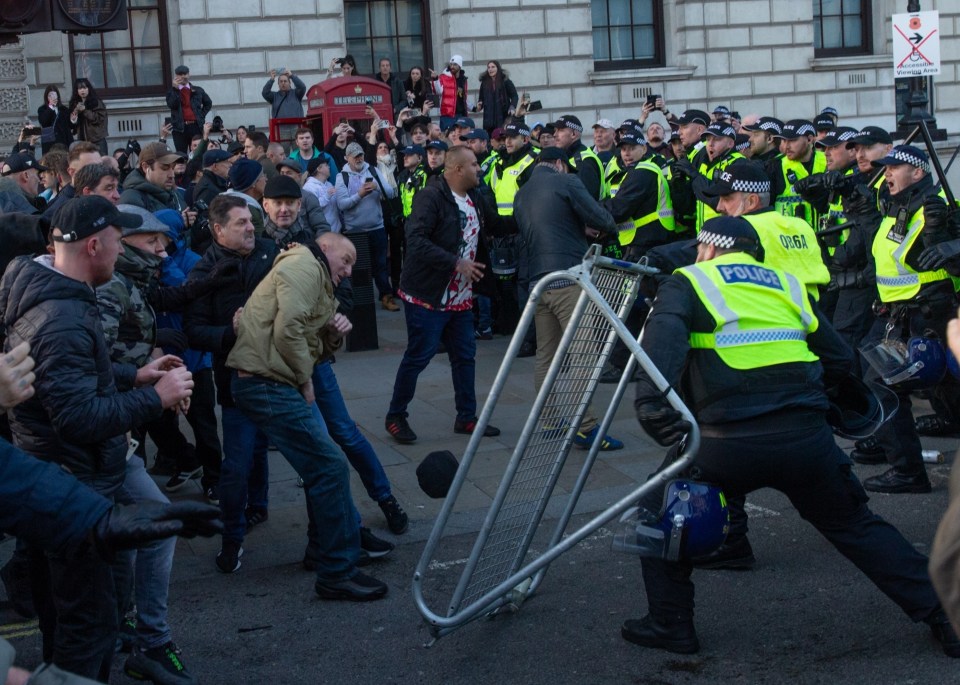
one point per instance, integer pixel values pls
(172, 339)
(682, 167)
(861, 202)
(840, 280)
(808, 183)
(662, 422)
(129, 526)
(936, 221)
(936, 256)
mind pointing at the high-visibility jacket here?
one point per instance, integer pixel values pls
(896, 280)
(762, 315)
(506, 182)
(664, 211)
(789, 244)
(486, 168)
(581, 157)
(408, 189)
(790, 203)
(705, 211)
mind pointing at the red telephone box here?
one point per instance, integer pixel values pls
(336, 100)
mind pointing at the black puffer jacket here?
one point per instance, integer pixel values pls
(433, 241)
(77, 417)
(208, 320)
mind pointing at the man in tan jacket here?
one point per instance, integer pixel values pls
(288, 325)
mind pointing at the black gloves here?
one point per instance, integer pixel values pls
(936, 256)
(860, 202)
(128, 526)
(803, 185)
(171, 338)
(682, 167)
(662, 422)
(848, 278)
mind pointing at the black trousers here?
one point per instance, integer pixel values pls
(203, 419)
(181, 139)
(809, 468)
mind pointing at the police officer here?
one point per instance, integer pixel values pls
(478, 140)
(719, 139)
(763, 132)
(800, 159)
(916, 296)
(412, 178)
(683, 169)
(774, 435)
(582, 160)
(513, 167)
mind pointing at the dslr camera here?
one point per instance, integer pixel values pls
(217, 125)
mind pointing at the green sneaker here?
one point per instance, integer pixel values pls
(161, 665)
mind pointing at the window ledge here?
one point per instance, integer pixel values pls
(651, 74)
(851, 62)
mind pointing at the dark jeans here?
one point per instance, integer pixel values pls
(291, 424)
(809, 468)
(426, 328)
(181, 141)
(244, 473)
(378, 260)
(343, 429)
(853, 318)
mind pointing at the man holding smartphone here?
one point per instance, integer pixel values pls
(189, 106)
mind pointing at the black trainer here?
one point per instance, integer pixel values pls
(401, 431)
(895, 482)
(680, 638)
(944, 634)
(161, 665)
(372, 547)
(228, 560)
(397, 520)
(360, 588)
(467, 428)
(732, 556)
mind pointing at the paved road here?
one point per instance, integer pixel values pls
(804, 615)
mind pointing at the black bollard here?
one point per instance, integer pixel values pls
(364, 314)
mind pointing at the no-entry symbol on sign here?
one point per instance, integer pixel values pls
(916, 44)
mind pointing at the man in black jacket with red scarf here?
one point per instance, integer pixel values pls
(445, 260)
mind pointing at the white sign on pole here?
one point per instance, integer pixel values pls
(916, 44)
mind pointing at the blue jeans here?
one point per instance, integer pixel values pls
(343, 429)
(378, 260)
(484, 313)
(152, 565)
(425, 329)
(291, 424)
(244, 478)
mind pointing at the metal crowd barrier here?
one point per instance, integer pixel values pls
(502, 569)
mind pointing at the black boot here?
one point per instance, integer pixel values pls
(868, 451)
(679, 637)
(732, 555)
(895, 482)
(944, 634)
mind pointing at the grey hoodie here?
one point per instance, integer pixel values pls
(361, 213)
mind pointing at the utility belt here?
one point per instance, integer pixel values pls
(782, 421)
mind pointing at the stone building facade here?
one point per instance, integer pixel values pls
(750, 55)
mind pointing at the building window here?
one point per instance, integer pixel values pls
(387, 28)
(841, 27)
(131, 62)
(627, 33)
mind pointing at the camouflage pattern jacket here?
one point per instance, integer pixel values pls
(129, 322)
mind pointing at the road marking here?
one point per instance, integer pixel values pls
(759, 512)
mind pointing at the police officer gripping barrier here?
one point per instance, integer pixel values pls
(730, 323)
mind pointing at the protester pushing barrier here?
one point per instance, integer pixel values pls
(503, 569)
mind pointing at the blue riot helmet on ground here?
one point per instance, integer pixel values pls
(858, 409)
(693, 522)
(916, 364)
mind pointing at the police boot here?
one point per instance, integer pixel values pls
(732, 555)
(944, 634)
(678, 637)
(868, 451)
(895, 482)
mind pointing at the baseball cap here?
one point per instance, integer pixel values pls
(475, 134)
(840, 135)
(21, 161)
(436, 145)
(515, 129)
(158, 152)
(905, 154)
(742, 176)
(313, 164)
(497, 133)
(728, 232)
(721, 130)
(456, 59)
(604, 123)
(290, 163)
(632, 138)
(353, 150)
(211, 157)
(235, 148)
(870, 135)
(695, 116)
(741, 143)
(244, 173)
(282, 186)
(569, 121)
(823, 122)
(768, 124)
(552, 153)
(151, 224)
(631, 125)
(721, 109)
(830, 110)
(81, 217)
(414, 150)
(795, 128)
(463, 122)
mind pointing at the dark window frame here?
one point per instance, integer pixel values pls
(658, 59)
(375, 56)
(135, 90)
(865, 47)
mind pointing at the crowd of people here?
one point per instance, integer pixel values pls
(212, 268)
